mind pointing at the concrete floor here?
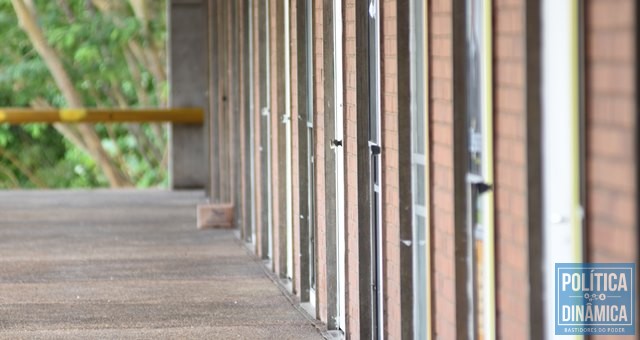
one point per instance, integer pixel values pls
(131, 264)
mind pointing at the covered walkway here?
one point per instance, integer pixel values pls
(131, 264)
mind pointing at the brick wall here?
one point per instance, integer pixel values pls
(512, 273)
(610, 120)
(351, 169)
(611, 171)
(390, 180)
(441, 163)
(611, 177)
(318, 124)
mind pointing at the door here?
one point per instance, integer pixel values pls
(252, 178)
(265, 130)
(339, 163)
(261, 124)
(480, 170)
(375, 171)
(561, 175)
(306, 155)
(288, 142)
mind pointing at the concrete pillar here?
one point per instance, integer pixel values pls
(188, 70)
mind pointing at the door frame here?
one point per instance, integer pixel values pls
(266, 222)
(310, 145)
(288, 143)
(375, 168)
(304, 36)
(563, 214)
(261, 124)
(473, 186)
(339, 163)
(251, 122)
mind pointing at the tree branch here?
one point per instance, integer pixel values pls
(29, 23)
(10, 175)
(16, 162)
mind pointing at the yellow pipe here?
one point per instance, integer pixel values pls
(174, 115)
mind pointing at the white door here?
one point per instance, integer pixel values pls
(287, 121)
(267, 117)
(339, 154)
(562, 220)
(252, 149)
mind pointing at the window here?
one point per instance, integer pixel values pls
(419, 171)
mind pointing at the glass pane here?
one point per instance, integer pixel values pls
(309, 51)
(474, 84)
(420, 277)
(475, 131)
(419, 190)
(419, 127)
(479, 287)
(310, 199)
(374, 169)
(418, 74)
(373, 82)
(478, 263)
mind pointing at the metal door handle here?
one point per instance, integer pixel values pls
(375, 149)
(478, 182)
(482, 187)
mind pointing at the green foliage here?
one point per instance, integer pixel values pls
(45, 155)
(92, 46)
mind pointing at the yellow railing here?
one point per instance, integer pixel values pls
(174, 115)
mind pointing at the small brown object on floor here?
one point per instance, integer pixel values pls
(215, 216)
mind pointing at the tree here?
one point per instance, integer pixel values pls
(77, 53)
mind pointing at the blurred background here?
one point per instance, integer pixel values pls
(83, 53)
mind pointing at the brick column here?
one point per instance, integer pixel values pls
(611, 131)
(510, 131)
(441, 163)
